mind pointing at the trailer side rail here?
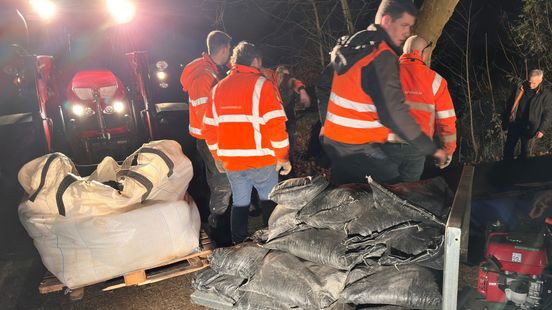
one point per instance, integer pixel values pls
(457, 233)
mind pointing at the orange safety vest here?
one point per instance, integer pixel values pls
(429, 100)
(352, 117)
(244, 124)
(197, 79)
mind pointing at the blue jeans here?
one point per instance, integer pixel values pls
(242, 182)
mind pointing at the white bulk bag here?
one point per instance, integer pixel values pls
(81, 251)
(162, 172)
(87, 231)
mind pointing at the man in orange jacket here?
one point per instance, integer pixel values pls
(291, 91)
(430, 105)
(198, 78)
(245, 130)
(366, 105)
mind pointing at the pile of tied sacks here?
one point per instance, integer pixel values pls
(344, 247)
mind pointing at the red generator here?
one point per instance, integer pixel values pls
(98, 117)
(513, 270)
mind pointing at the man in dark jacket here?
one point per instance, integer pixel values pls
(366, 106)
(530, 115)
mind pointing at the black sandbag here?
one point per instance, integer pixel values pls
(254, 301)
(298, 283)
(242, 260)
(224, 286)
(297, 192)
(405, 243)
(423, 245)
(434, 195)
(282, 221)
(211, 300)
(379, 307)
(335, 207)
(322, 246)
(409, 286)
(387, 211)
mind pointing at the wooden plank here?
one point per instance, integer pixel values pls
(163, 273)
(50, 284)
(134, 278)
(182, 270)
(76, 294)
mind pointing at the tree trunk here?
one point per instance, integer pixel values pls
(319, 33)
(468, 86)
(348, 16)
(432, 18)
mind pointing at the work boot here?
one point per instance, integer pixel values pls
(220, 228)
(239, 222)
(267, 206)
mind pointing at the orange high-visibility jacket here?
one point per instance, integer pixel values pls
(429, 100)
(244, 125)
(352, 117)
(197, 79)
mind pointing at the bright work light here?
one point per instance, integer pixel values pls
(78, 110)
(122, 10)
(119, 106)
(161, 75)
(46, 9)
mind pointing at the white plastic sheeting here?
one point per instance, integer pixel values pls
(87, 232)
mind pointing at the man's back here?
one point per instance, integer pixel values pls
(428, 98)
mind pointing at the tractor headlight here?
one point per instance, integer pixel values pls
(161, 75)
(46, 9)
(118, 106)
(161, 65)
(78, 109)
(123, 11)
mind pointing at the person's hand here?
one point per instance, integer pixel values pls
(304, 98)
(440, 157)
(512, 117)
(539, 135)
(446, 163)
(283, 168)
(220, 166)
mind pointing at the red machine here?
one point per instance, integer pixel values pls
(514, 269)
(97, 115)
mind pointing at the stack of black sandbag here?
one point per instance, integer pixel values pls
(336, 247)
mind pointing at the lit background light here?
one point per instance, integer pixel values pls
(78, 109)
(122, 11)
(161, 75)
(118, 106)
(46, 9)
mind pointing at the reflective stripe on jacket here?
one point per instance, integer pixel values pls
(429, 100)
(352, 117)
(197, 79)
(244, 125)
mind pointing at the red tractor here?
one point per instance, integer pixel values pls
(98, 116)
(88, 111)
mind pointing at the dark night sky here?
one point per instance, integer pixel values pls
(175, 30)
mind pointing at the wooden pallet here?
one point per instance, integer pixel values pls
(188, 264)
